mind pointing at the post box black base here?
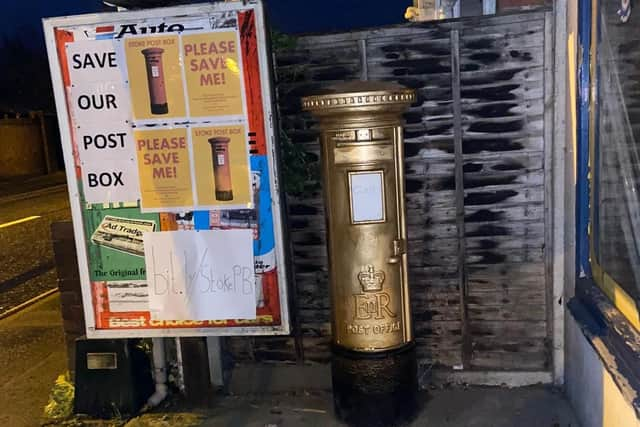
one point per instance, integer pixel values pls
(375, 389)
(159, 108)
(224, 195)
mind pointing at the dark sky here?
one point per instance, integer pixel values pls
(296, 16)
(24, 62)
(291, 16)
(23, 16)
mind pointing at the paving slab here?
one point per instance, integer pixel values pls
(32, 356)
(536, 406)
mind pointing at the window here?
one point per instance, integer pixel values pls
(615, 156)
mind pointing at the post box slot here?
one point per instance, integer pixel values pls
(363, 154)
(357, 137)
(364, 143)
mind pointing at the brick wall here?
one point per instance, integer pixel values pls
(64, 250)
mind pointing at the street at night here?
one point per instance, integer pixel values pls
(26, 256)
(344, 213)
(31, 334)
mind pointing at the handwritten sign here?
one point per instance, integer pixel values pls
(367, 196)
(207, 275)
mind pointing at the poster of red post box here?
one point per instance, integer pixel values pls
(165, 119)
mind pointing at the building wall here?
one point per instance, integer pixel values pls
(598, 345)
(21, 147)
(594, 395)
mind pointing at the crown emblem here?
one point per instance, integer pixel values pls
(371, 280)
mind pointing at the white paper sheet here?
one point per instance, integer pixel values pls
(200, 275)
(94, 60)
(101, 113)
(110, 180)
(103, 103)
(367, 197)
(128, 296)
(113, 140)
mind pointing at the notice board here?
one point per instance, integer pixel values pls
(166, 125)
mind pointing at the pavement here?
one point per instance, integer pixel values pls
(535, 406)
(32, 356)
(443, 407)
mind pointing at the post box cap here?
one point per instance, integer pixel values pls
(349, 95)
(152, 51)
(219, 140)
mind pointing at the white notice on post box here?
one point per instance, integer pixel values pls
(367, 196)
(206, 275)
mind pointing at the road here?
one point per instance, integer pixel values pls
(26, 254)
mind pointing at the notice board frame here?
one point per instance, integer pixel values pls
(247, 328)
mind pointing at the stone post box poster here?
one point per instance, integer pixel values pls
(165, 118)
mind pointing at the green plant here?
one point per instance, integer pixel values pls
(281, 42)
(145, 344)
(300, 173)
(60, 404)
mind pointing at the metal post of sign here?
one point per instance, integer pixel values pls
(488, 7)
(215, 361)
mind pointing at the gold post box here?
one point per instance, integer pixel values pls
(363, 177)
